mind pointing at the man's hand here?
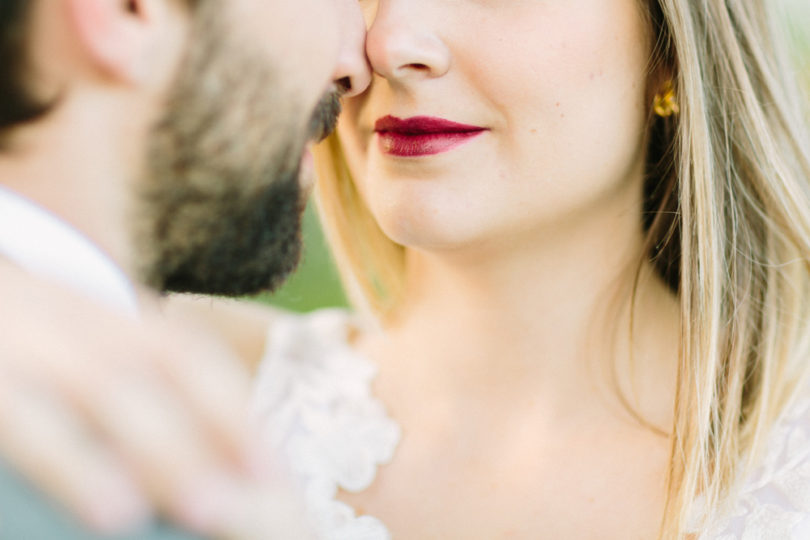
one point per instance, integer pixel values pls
(121, 419)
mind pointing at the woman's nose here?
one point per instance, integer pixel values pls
(401, 46)
(353, 74)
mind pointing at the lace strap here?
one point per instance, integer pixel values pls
(315, 404)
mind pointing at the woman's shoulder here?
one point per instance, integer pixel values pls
(773, 500)
(308, 335)
(312, 349)
(312, 384)
(309, 352)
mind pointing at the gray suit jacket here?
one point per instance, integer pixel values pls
(25, 514)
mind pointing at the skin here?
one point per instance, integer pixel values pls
(520, 261)
(522, 248)
(117, 88)
(171, 438)
(537, 221)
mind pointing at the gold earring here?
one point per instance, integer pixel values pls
(666, 101)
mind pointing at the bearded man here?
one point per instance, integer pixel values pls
(153, 145)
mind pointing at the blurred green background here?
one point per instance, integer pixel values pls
(316, 284)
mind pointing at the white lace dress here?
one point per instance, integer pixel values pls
(314, 400)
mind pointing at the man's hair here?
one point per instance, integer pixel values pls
(17, 103)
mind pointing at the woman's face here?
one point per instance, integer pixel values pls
(551, 98)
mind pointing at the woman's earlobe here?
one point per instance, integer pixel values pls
(665, 102)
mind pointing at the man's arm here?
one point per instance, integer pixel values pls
(120, 419)
(27, 513)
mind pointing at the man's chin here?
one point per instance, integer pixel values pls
(233, 246)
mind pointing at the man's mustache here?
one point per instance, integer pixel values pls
(324, 119)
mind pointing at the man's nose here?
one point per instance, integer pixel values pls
(353, 74)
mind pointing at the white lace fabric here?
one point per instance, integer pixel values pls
(314, 400)
(773, 503)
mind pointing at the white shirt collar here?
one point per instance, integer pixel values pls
(41, 243)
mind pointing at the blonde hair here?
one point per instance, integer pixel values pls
(729, 188)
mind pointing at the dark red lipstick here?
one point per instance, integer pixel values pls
(422, 135)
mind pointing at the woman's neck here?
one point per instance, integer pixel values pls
(547, 317)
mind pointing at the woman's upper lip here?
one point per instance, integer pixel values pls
(421, 125)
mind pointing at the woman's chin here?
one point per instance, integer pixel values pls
(431, 216)
(426, 233)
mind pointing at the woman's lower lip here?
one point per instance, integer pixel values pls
(427, 144)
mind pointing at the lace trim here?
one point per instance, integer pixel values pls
(313, 398)
(774, 501)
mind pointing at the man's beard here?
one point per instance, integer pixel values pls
(221, 212)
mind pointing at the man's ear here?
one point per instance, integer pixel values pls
(115, 35)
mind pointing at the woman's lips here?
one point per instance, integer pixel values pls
(422, 135)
